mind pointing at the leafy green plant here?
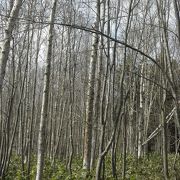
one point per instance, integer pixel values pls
(150, 168)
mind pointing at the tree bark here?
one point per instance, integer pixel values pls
(90, 97)
(177, 15)
(44, 109)
(7, 38)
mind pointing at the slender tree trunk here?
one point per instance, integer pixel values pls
(177, 15)
(7, 38)
(163, 118)
(113, 150)
(128, 25)
(164, 145)
(90, 97)
(140, 119)
(33, 106)
(124, 163)
(44, 109)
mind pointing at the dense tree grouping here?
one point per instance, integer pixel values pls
(89, 79)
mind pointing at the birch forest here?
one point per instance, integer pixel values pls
(89, 89)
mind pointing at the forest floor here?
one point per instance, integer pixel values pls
(147, 168)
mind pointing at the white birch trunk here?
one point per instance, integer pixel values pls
(140, 122)
(90, 97)
(7, 39)
(44, 109)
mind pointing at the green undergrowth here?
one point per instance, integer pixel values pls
(147, 168)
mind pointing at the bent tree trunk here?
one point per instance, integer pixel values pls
(7, 38)
(41, 138)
